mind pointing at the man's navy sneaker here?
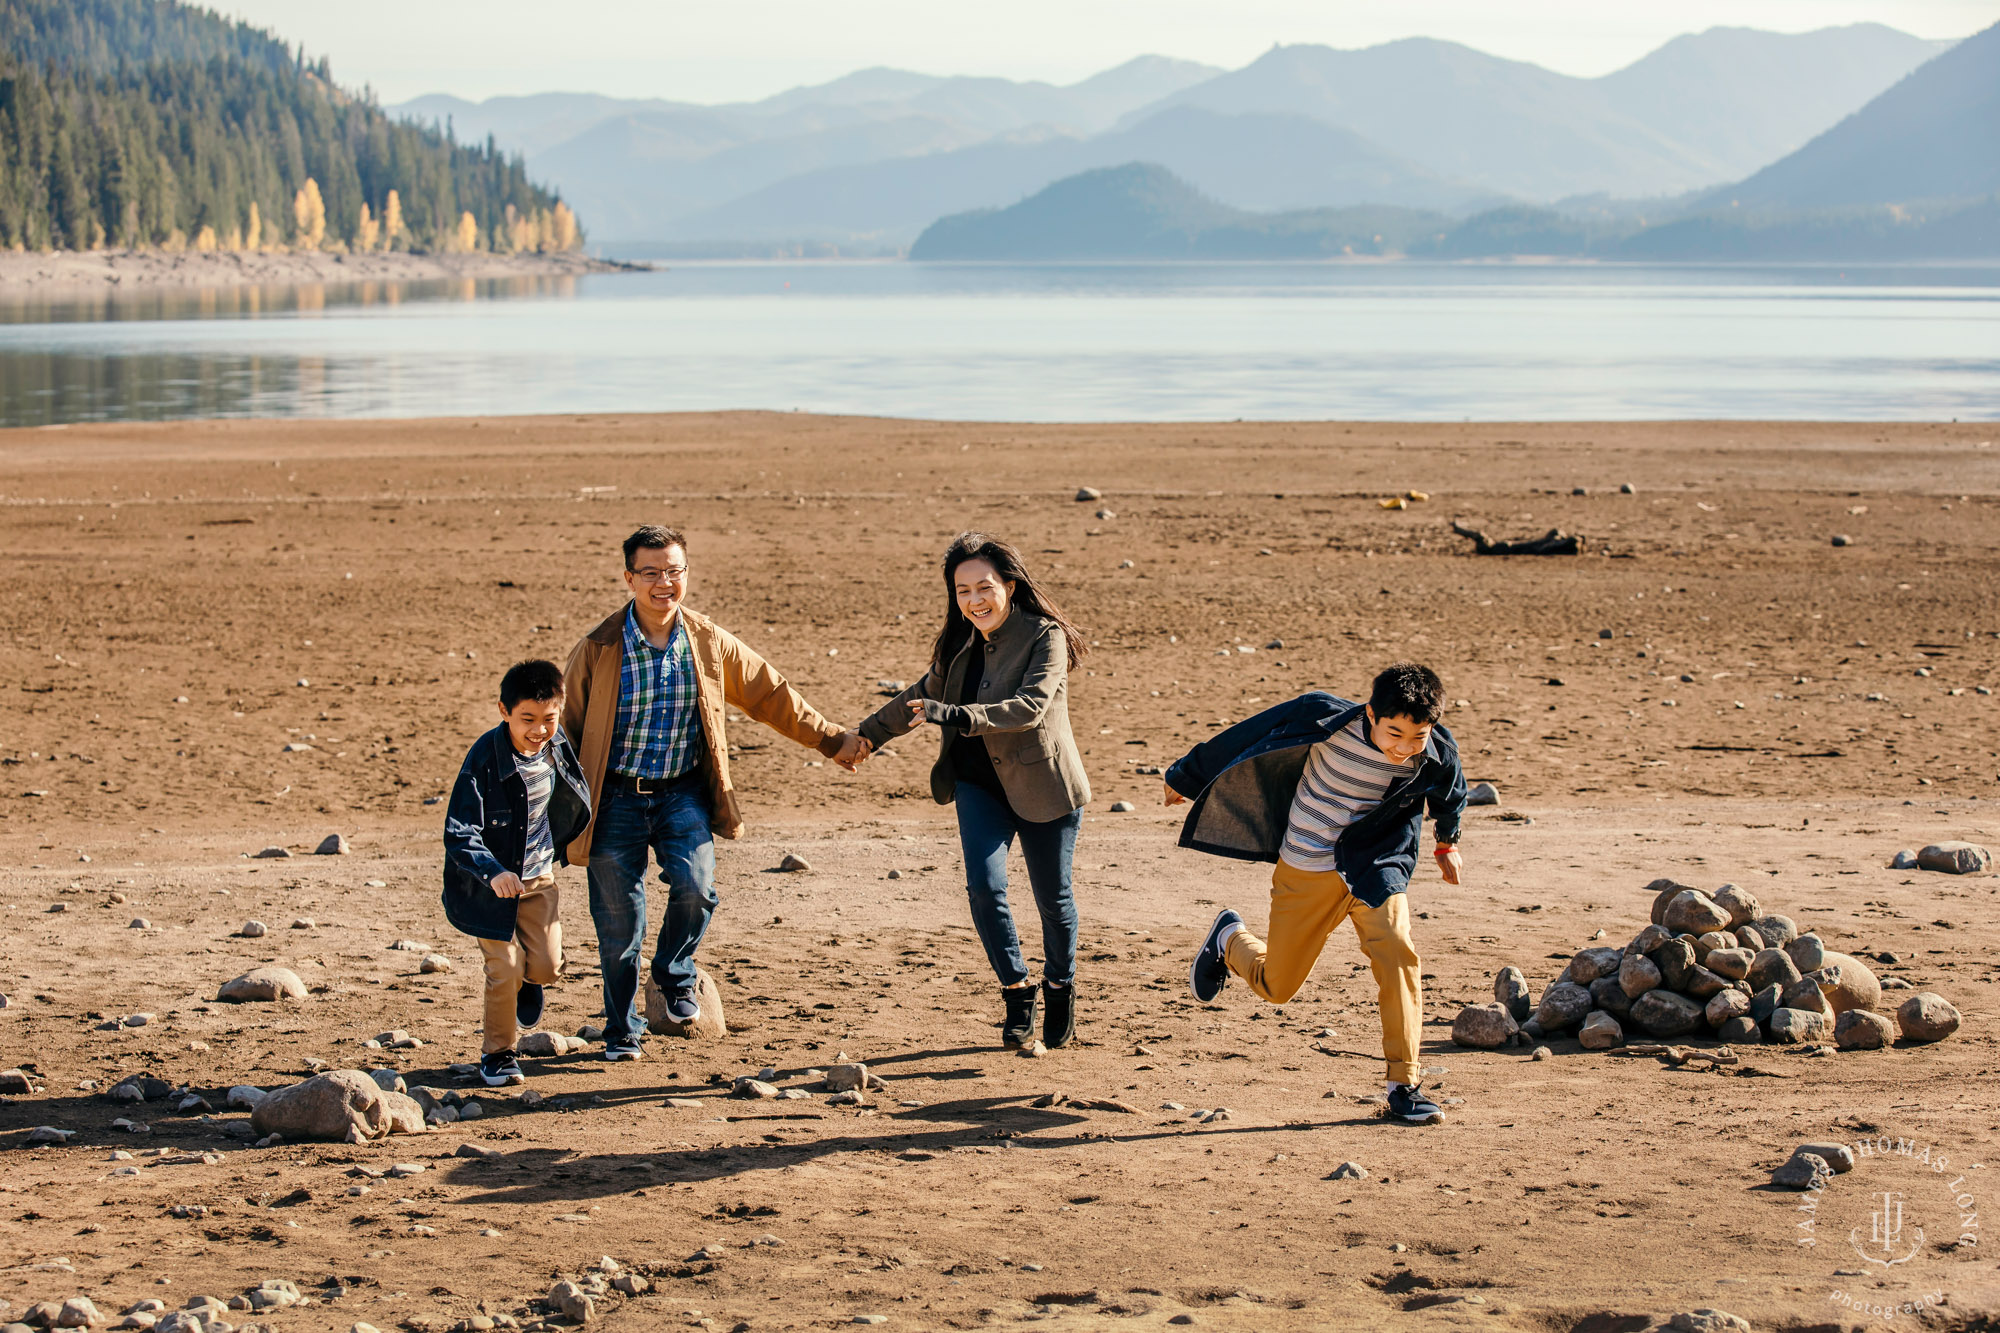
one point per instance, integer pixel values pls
(1409, 1104)
(625, 1048)
(528, 1005)
(500, 1068)
(683, 1008)
(1209, 972)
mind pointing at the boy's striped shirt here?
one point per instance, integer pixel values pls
(1345, 777)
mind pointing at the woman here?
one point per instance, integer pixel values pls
(998, 691)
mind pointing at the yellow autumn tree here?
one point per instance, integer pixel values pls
(309, 211)
(253, 235)
(366, 230)
(562, 232)
(234, 240)
(392, 220)
(205, 238)
(467, 235)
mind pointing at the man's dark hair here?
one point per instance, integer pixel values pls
(1408, 689)
(537, 680)
(652, 537)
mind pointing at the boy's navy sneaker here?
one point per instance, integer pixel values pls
(500, 1068)
(1408, 1104)
(1209, 972)
(625, 1048)
(528, 1005)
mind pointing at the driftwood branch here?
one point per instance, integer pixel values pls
(1555, 542)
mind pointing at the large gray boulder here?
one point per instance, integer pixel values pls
(1848, 983)
(1665, 1014)
(1777, 929)
(1608, 995)
(1563, 1005)
(263, 983)
(1731, 963)
(1675, 959)
(1637, 974)
(1723, 1006)
(1739, 902)
(1590, 964)
(1772, 967)
(1600, 1032)
(1956, 858)
(1702, 983)
(1796, 1026)
(1664, 891)
(1485, 1027)
(1807, 952)
(1649, 939)
(1862, 1030)
(710, 1026)
(344, 1104)
(1692, 912)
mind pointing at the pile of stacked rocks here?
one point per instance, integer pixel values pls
(1710, 965)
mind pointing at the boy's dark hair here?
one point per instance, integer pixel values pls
(652, 537)
(536, 680)
(1408, 689)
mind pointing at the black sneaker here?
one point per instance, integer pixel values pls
(683, 1008)
(501, 1068)
(1058, 1014)
(624, 1048)
(1209, 972)
(1019, 1028)
(1408, 1104)
(528, 1004)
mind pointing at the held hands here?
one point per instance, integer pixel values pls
(1450, 864)
(1173, 797)
(507, 884)
(854, 751)
(917, 718)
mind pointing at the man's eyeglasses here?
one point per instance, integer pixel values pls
(676, 574)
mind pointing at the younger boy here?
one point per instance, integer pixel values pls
(1335, 793)
(519, 799)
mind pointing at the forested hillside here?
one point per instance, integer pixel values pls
(142, 123)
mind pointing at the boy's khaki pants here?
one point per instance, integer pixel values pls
(1306, 907)
(534, 954)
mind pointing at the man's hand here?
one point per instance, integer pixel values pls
(854, 750)
(1173, 797)
(508, 884)
(1450, 864)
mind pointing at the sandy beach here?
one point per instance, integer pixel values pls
(91, 272)
(229, 636)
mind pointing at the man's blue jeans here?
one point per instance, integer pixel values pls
(987, 827)
(674, 825)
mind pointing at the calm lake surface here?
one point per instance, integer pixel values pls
(1038, 343)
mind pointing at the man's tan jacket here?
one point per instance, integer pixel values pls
(726, 671)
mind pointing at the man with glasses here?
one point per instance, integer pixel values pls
(644, 695)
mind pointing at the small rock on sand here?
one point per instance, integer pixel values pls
(1862, 1030)
(794, 864)
(1600, 1032)
(1349, 1171)
(1086, 494)
(434, 962)
(1927, 1017)
(1122, 807)
(1803, 1171)
(1956, 858)
(262, 984)
(1796, 1026)
(1906, 859)
(1708, 1320)
(1485, 1027)
(252, 930)
(333, 844)
(271, 854)
(1510, 988)
(1838, 1156)
(1482, 793)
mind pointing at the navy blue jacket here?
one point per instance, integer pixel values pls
(1242, 782)
(486, 829)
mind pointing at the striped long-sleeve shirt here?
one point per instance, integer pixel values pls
(1345, 777)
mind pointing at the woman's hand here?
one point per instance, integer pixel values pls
(917, 718)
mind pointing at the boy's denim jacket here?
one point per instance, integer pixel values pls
(486, 828)
(1242, 782)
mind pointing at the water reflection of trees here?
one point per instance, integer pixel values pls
(250, 301)
(44, 388)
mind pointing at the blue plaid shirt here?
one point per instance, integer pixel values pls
(657, 720)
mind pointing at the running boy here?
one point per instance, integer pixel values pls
(1335, 793)
(519, 799)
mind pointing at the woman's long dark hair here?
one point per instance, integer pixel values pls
(1028, 596)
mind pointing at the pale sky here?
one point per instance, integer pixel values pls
(740, 50)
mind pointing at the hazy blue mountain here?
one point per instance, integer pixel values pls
(1701, 110)
(1140, 210)
(524, 125)
(1250, 161)
(641, 172)
(1743, 98)
(1935, 135)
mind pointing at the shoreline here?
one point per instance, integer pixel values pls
(97, 271)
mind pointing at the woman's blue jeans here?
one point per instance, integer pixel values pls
(987, 827)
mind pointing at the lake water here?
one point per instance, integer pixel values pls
(1039, 343)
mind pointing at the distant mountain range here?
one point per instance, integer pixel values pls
(868, 161)
(1913, 175)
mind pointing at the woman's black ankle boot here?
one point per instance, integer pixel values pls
(1019, 1029)
(1058, 1014)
